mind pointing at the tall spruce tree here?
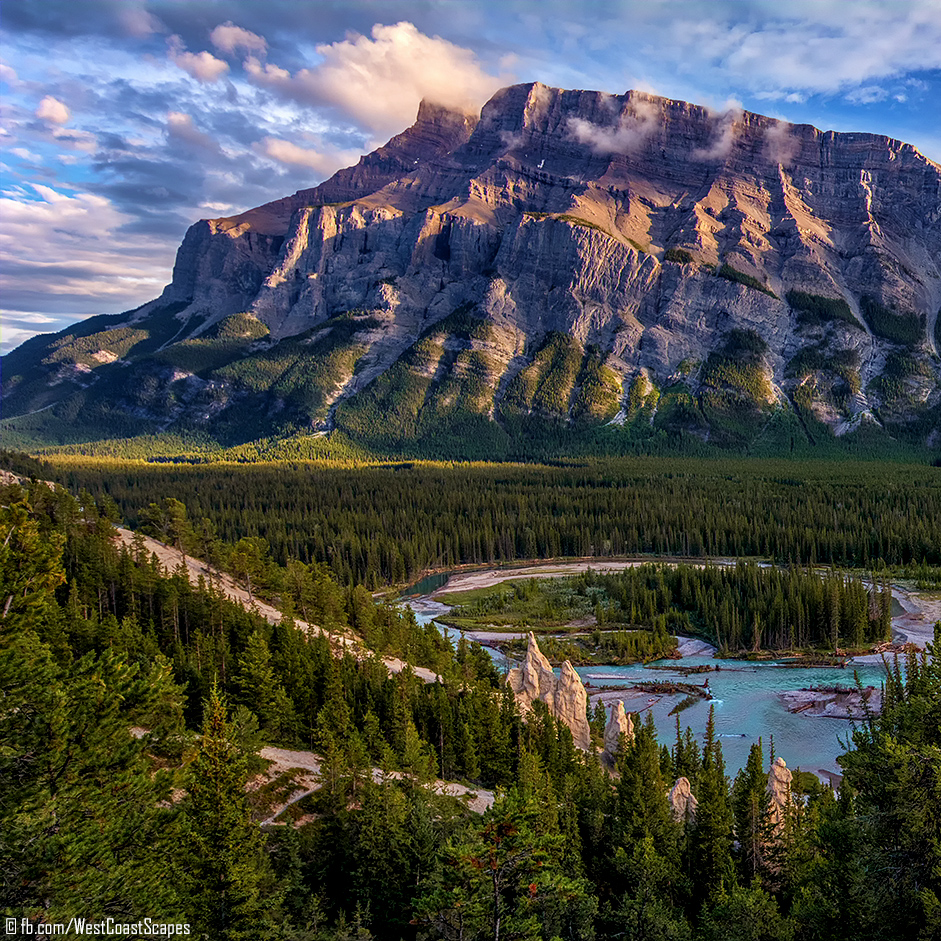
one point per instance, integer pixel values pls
(709, 846)
(226, 876)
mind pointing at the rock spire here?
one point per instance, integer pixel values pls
(564, 695)
(619, 723)
(683, 801)
(779, 793)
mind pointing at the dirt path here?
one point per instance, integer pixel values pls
(171, 559)
(305, 766)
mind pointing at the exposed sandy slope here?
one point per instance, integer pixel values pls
(305, 766)
(490, 577)
(171, 559)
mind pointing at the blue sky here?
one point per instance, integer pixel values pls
(124, 121)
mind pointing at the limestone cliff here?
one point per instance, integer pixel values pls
(569, 257)
(564, 695)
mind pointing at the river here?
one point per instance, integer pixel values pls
(746, 696)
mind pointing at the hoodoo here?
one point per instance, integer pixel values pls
(564, 695)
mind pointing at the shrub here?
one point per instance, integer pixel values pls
(678, 255)
(905, 328)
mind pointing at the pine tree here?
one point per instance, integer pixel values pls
(81, 819)
(752, 820)
(227, 880)
(709, 849)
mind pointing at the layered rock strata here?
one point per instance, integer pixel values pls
(569, 256)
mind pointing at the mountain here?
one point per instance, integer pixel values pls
(568, 270)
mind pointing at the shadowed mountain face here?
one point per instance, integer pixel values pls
(567, 264)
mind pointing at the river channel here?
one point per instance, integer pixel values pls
(746, 695)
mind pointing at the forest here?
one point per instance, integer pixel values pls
(381, 524)
(738, 608)
(97, 641)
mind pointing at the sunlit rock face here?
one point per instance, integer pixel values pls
(579, 258)
(619, 724)
(564, 695)
(683, 801)
(779, 793)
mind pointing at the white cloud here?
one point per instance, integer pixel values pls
(66, 254)
(180, 127)
(800, 47)
(12, 336)
(324, 162)
(8, 74)
(724, 138)
(75, 139)
(781, 144)
(52, 110)
(630, 132)
(379, 81)
(25, 154)
(137, 21)
(867, 95)
(228, 37)
(203, 66)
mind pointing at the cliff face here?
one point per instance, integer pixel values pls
(576, 258)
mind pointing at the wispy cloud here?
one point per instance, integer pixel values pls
(203, 66)
(627, 134)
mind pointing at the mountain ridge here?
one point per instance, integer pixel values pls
(567, 260)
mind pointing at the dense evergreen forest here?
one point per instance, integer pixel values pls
(96, 821)
(740, 608)
(382, 524)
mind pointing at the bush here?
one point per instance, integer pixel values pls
(678, 255)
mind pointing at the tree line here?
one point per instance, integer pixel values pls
(380, 525)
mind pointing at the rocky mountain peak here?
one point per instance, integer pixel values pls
(570, 259)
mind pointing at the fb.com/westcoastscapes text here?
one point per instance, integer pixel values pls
(106, 927)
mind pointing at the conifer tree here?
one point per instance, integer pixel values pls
(227, 878)
(710, 844)
(752, 818)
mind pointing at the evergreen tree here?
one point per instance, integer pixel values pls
(752, 817)
(497, 882)
(710, 842)
(81, 821)
(229, 889)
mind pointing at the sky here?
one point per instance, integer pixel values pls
(122, 122)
